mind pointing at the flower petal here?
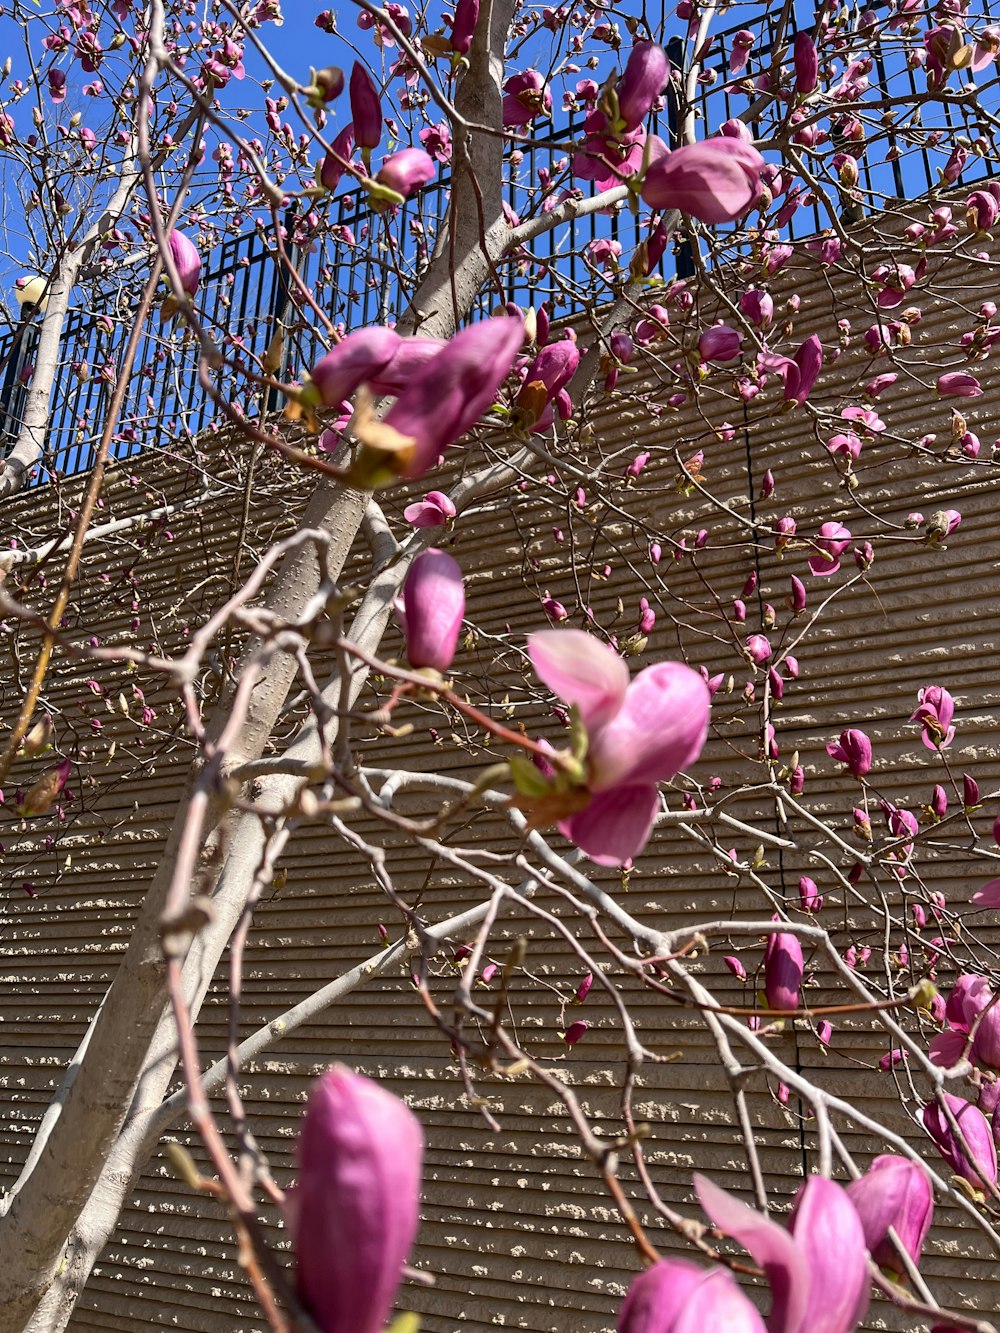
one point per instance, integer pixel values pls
(831, 1239)
(581, 670)
(988, 896)
(945, 1050)
(771, 1246)
(615, 826)
(659, 729)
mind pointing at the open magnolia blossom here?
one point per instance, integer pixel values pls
(630, 735)
(443, 388)
(817, 1269)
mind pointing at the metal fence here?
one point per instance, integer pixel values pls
(364, 264)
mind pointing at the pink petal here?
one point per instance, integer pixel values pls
(945, 1050)
(659, 730)
(615, 825)
(770, 1245)
(988, 896)
(831, 1239)
(581, 670)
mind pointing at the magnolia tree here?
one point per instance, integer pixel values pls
(579, 261)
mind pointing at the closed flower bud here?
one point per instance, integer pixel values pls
(720, 343)
(353, 1211)
(810, 898)
(783, 969)
(464, 26)
(366, 109)
(433, 607)
(335, 163)
(970, 791)
(644, 79)
(958, 384)
(187, 261)
(806, 62)
(893, 1193)
(407, 171)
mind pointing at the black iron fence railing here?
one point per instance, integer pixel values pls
(363, 265)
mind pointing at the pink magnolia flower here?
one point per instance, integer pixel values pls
(606, 159)
(720, 343)
(986, 47)
(810, 898)
(377, 357)
(643, 81)
(186, 260)
(527, 97)
(817, 1269)
(433, 607)
(853, 749)
(845, 443)
(575, 1031)
(758, 307)
(407, 171)
(435, 510)
(742, 46)
(806, 61)
(436, 140)
(549, 373)
(970, 1009)
(782, 971)
(958, 384)
(463, 27)
(976, 1133)
(864, 417)
(935, 709)
(583, 990)
(759, 647)
(897, 1194)
(832, 541)
(736, 967)
(353, 1212)
(879, 384)
(798, 373)
(366, 109)
(454, 389)
(639, 732)
(981, 210)
(715, 181)
(988, 897)
(337, 160)
(675, 1296)
(893, 281)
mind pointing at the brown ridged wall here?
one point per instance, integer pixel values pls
(516, 1228)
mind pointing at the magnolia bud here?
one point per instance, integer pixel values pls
(354, 1209)
(433, 607)
(782, 971)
